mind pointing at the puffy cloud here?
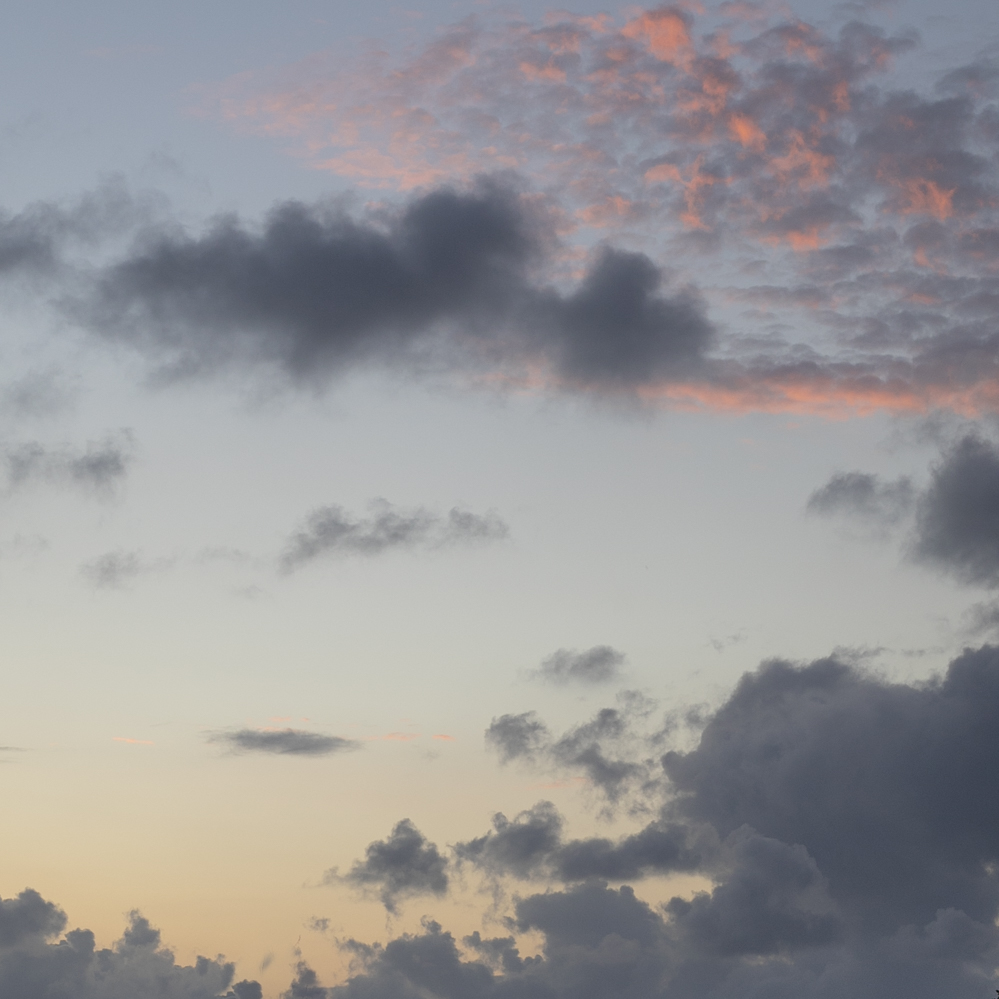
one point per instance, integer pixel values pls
(447, 281)
(599, 664)
(531, 845)
(283, 742)
(35, 965)
(847, 826)
(403, 865)
(957, 525)
(330, 530)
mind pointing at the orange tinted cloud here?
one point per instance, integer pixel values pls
(665, 33)
(924, 197)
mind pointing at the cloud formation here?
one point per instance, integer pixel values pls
(115, 570)
(847, 825)
(404, 865)
(100, 467)
(283, 742)
(605, 750)
(863, 495)
(599, 664)
(331, 530)
(37, 963)
(956, 522)
(780, 156)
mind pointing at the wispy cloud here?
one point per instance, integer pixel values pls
(283, 742)
(331, 530)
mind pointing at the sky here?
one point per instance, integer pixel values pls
(499, 502)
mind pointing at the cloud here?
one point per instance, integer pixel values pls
(404, 865)
(330, 530)
(445, 282)
(283, 742)
(866, 496)
(36, 965)
(531, 846)
(599, 664)
(846, 829)
(100, 467)
(956, 526)
(115, 570)
(517, 737)
(957, 522)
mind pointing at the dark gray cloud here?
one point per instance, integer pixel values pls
(602, 749)
(531, 846)
(404, 865)
(517, 737)
(864, 495)
(283, 742)
(956, 527)
(957, 523)
(849, 829)
(34, 964)
(447, 281)
(330, 530)
(100, 466)
(599, 664)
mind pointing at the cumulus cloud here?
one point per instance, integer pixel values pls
(847, 829)
(283, 742)
(404, 865)
(445, 282)
(956, 524)
(36, 963)
(331, 530)
(599, 664)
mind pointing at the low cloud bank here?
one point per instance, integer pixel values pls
(849, 826)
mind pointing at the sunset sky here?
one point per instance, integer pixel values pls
(499, 503)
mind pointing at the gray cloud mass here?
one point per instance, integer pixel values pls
(36, 965)
(848, 825)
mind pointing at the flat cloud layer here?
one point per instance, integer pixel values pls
(283, 742)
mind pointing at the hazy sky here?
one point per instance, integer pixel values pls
(499, 503)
